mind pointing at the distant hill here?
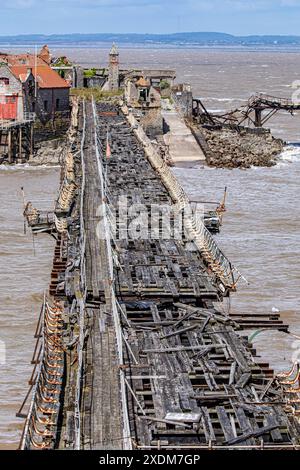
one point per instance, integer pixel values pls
(184, 39)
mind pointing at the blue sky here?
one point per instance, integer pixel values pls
(152, 16)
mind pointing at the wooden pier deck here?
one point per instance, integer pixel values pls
(152, 360)
(102, 393)
(193, 379)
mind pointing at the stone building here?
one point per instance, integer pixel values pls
(113, 69)
(51, 92)
(16, 93)
(44, 91)
(145, 98)
(183, 96)
(72, 73)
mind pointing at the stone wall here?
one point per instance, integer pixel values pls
(94, 82)
(51, 95)
(52, 129)
(152, 122)
(48, 152)
(183, 97)
(79, 77)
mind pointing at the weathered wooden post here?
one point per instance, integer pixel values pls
(258, 112)
(31, 139)
(9, 148)
(20, 144)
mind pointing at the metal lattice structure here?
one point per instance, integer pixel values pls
(256, 112)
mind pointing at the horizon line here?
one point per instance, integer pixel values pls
(149, 34)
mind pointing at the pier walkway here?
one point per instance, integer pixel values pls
(183, 147)
(152, 360)
(100, 408)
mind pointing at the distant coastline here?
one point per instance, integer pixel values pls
(150, 40)
(30, 47)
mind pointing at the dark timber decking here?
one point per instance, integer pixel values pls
(150, 358)
(193, 381)
(92, 200)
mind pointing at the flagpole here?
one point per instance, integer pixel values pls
(106, 160)
(35, 71)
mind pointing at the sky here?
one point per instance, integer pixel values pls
(239, 17)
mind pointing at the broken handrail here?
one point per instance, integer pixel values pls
(269, 99)
(81, 294)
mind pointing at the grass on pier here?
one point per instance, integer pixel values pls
(97, 93)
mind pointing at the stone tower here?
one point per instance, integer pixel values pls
(113, 76)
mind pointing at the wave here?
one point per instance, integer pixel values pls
(26, 166)
(290, 154)
(229, 100)
(217, 111)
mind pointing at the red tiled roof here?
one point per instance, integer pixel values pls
(22, 59)
(42, 58)
(143, 82)
(45, 76)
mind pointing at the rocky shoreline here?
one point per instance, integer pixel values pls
(228, 148)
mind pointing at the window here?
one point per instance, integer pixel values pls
(4, 81)
(57, 103)
(31, 88)
(46, 105)
(144, 92)
(10, 99)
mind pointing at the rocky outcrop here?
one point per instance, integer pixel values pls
(48, 152)
(232, 149)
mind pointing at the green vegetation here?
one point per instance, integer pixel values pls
(96, 93)
(168, 100)
(164, 85)
(62, 62)
(90, 73)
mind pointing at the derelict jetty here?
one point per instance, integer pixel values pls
(134, 349)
